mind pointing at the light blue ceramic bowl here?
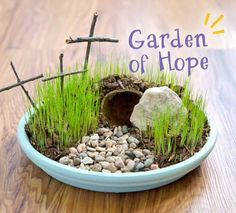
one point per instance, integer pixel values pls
(108, 182)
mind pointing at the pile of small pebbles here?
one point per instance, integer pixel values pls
(110, 150)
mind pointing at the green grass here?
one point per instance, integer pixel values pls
(182, 130)
(63, 117)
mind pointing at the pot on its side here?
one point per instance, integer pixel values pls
(113, 182)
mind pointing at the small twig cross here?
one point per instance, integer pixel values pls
(90, 39)
(20, 83)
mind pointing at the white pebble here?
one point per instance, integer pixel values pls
(104, 164)
(119, 163)
(138, 154)
(85, 139)
(133, 145)
(65, 160)
(81, 147)
(87, 160)
(112, 167)
(100, 149)
(92, 154)
(130, 165)
(94, 137)
(94, 143)
(99, 158)
(73, 150)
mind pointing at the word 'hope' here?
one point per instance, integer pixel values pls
(138, 41)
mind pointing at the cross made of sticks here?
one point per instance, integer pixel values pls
(88, 39)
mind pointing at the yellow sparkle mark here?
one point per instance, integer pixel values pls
(207, 18)
(218, 32)
(217, 20)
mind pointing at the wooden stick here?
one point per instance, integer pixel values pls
(91, 39)
(61, 71)
(23, 88)
(21, 83)
(120, 84)
(64, 74)
(91, 32)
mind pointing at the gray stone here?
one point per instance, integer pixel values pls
(87, 160)
(138, 154)
(148, 162)
(124, 129)
(77, 161)
(155, 100)
(119, 134)
(119, 163)
(132, 139)
(83, 155)
(65, 160)
(99, 158)
(130, 154)
(139, 166)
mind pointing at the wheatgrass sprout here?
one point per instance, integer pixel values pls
(63, 117)
(182, 130)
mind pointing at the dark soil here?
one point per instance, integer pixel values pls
(116, 82)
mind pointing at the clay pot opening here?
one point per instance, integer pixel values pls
(117, 106)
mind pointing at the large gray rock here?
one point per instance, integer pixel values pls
(155, 100)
